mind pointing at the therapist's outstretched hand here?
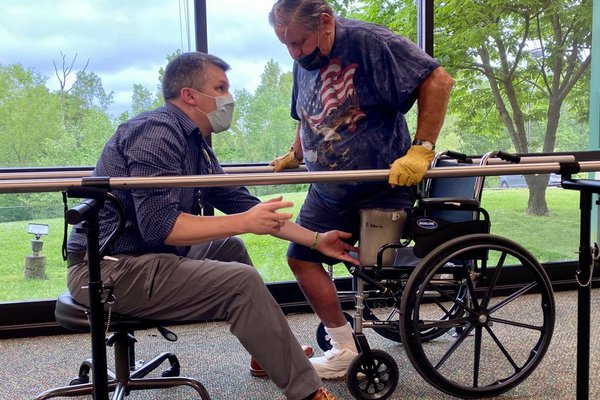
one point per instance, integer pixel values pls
(331, 244)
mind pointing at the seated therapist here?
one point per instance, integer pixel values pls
(170, 263)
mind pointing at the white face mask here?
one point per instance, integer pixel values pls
(220, 119)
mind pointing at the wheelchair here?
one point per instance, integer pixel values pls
(453, 297)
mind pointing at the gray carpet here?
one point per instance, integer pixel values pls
(211, 354)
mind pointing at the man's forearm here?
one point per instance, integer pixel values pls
(434, 94)
(295, 233)
(297, 144)
(193, 229)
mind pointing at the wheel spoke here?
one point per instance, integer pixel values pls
(492, 284)
(464, 334)
(393, 316)
(503, 349)
(459, 302)
(477, 356)
(517, 324)
(442, 307)
(470, 284)
(512, 297)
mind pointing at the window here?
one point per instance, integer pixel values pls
(511, 94)
(260, 77)
(261, 82)
(70, 72)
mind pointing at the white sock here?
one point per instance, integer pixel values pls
(342, 337)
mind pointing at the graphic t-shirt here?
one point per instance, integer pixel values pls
(352, 110)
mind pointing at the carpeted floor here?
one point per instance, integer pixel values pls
(211, 354)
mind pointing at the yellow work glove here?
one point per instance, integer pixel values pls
(410, 169)
(286, 161)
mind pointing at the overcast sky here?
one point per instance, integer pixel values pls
(127, 41)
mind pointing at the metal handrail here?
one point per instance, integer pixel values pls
(82, 173)
(270, 178)
(240, 169)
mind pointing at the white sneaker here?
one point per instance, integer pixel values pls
(334, 363)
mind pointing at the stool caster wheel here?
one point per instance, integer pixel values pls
(82, 377)
(372, 376)
(173, 370)
(322, 336)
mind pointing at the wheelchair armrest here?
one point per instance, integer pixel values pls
(449, 203)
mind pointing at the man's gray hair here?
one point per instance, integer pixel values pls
(303, 12)
(188, 70)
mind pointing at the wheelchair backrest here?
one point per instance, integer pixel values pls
(469, 187)
(449, 207)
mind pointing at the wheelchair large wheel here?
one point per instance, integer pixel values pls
(372, 375)
(507, 321)
(380, 308)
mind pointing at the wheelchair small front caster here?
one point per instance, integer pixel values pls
(372, 376)
(82, 377)
(323, 339)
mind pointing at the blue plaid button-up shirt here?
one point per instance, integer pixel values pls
(162, 142)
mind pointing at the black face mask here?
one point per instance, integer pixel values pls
(315, 60)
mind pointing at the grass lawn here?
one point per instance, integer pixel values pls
(554, 237)
(16, 245)
(551, 238)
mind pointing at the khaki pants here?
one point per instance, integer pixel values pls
(173, 288)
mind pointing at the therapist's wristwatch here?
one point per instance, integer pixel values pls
(425, 143)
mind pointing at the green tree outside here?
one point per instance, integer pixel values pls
(522, 84)
(518, 65)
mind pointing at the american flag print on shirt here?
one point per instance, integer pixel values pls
(339, 100)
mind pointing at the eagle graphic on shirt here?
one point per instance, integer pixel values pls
(339, 100)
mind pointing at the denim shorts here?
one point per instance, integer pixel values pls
(321, 215)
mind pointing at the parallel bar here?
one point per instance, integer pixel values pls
(251, 179)
(44, 175)
(260, 168)
(82, 173)
(530, 160)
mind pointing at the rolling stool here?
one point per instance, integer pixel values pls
(128, 375)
